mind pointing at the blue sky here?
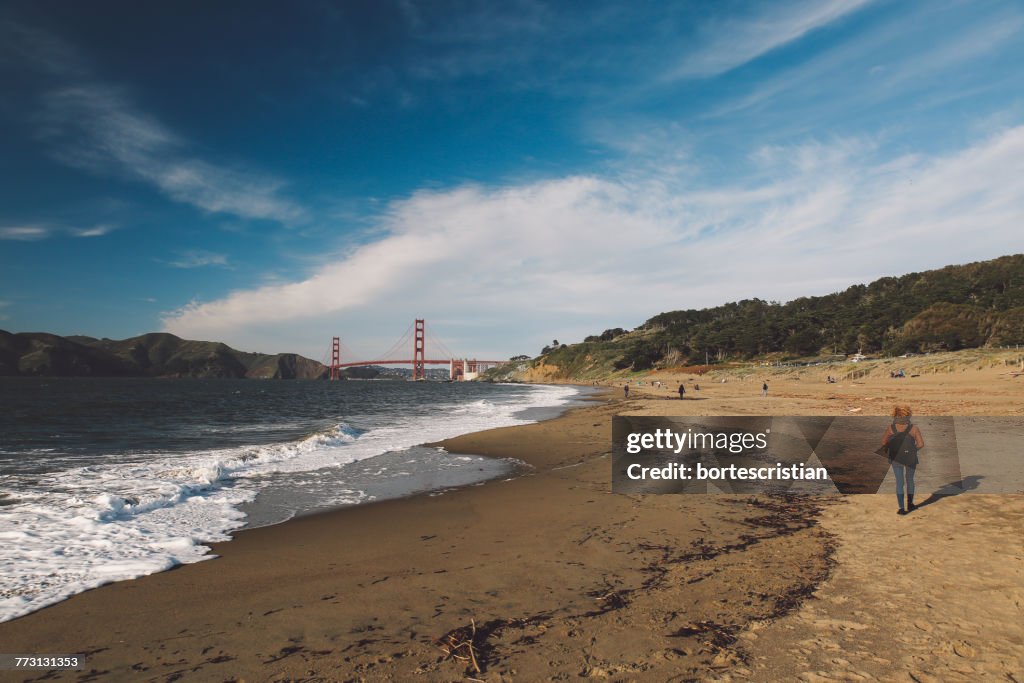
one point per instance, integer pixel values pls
(271, 175)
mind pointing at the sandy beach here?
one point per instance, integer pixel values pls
(512, 342)
(550, 576)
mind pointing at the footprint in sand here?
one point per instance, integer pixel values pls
(962, 648)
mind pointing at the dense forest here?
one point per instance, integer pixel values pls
(956, 307)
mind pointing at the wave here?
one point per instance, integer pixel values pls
(79, 528)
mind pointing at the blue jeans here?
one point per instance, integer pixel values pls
(898, 471)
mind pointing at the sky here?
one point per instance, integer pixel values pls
(271, 175)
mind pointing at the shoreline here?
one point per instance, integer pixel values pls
(425, 470)
(551, 558)
(559, 411)
(561, 578)
(518, 471)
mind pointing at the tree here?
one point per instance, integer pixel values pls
(948, 308)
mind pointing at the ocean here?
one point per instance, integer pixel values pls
(110, 479)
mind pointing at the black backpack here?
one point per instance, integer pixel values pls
(902, 446)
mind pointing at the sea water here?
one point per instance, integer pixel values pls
(110, 479)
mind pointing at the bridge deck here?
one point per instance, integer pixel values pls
(409, 362)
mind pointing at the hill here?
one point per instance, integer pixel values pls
(957, 307)
(150, 355)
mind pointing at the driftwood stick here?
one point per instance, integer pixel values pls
(455, 641)
(472, 655)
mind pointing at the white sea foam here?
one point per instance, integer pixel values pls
(86, 526)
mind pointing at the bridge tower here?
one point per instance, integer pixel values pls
(419, 351)
(336, 358)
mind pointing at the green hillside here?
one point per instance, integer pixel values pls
(956, 307)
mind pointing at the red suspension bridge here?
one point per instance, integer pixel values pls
(412, 349)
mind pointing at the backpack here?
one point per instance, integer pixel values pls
(902, 447)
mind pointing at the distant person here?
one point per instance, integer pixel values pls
(764, 389)
(625, 390)
(682, 392)
(902, 441)
(696, 387)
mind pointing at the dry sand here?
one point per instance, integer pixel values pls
(563, 579)
(935, 597)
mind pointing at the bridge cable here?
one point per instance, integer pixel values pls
(436, 341)
(405, 340)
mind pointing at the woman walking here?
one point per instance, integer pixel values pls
(902, 441)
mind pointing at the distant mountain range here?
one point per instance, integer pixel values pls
(159, 354)
(150, 355)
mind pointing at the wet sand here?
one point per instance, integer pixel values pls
(562, 579)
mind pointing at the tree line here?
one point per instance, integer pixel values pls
(951, 308)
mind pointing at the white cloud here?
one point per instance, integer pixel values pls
(973, 42)
(25, 233)
(94, 231)
(910, 56)
(199, 259)
(37, 231)
(582, 253)
(735, 42)
(96, 127)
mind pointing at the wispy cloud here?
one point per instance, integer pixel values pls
(603, 249)
(40, 231)
(917, 55)
(48, 53)
(96, 126)
(730, 43)
(199, 259)
(94, 231)
(480, 40)
(25, 233)
(973, 42)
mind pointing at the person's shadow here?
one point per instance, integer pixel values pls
(954, 488)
